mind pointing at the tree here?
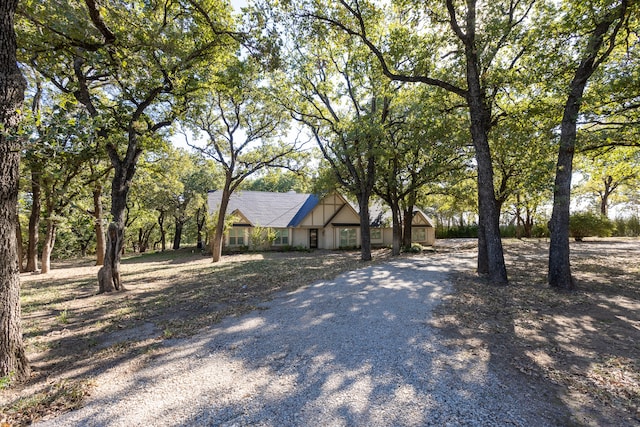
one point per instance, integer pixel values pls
(339, 96)
(608, 172)
(470, 53)
(281, 181)
(240, 122)
(423, 147)
(132, 67)
(13, 360)
(603, 24)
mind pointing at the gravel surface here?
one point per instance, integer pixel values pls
(354, 351)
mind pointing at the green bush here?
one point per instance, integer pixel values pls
(586, 224)
(467, 231)
(627, 226)
(540, 230)
(415, 248)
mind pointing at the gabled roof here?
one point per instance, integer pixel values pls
(267, 209)
(311, 202)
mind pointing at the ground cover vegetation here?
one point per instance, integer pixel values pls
(496, 118)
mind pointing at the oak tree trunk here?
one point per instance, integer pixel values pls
(177, 237)
(407, 224)
(109, 274)
(490, 253)
(559, 264)
(365, 226)
(396, 228)
(13, 360)
(99, 224)
(19, 246)
(47, 246)
(34, 220)
(218, 236)
(201, 216)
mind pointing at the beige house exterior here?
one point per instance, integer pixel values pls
(307, 221)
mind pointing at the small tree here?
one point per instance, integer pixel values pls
(262, 237)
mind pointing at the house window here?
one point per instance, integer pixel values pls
(348, 238)
(282, 237)
(236, 236)
(376, 234)
(418, 234)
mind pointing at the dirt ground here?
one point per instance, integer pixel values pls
(584, 346)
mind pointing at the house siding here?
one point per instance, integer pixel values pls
(300, 213)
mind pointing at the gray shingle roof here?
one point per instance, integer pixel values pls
(266, 209)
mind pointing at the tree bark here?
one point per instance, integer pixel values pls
(47, 246)
(13, 360)
(365, 226)
(396, 228)
(201, 216)
(34, 219)
(216, 244)
(163, 231)
(99, 224)
(177, 236)
(19, 246)
(490, 252)
(559, 264)
(124, 169)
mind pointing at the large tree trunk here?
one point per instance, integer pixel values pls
(99, 224)
(177, 237)
(365, 226)
(13, 359)
(490, 253)
(109, 274)
(559, 265)
(216, 244)
(47, 246)
(34, 220)
(396, 228)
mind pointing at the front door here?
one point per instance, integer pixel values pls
(313, 238)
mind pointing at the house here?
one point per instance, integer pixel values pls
(305, 220)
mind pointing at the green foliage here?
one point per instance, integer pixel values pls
(627, 226)
(261, 237)
(465, 231)
(415, 248)
(586, 224)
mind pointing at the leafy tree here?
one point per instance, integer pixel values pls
(609, 172)
(601, 22)
(424, 147)
(476, 42)
(340, 97)
(131, 67)
(280, 181)
(13, 360)
(242, 126)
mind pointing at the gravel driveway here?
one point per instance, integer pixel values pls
(354, 351)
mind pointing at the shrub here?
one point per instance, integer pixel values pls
(415, 248)
(586, 224)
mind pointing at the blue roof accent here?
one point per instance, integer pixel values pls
(311, 202)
